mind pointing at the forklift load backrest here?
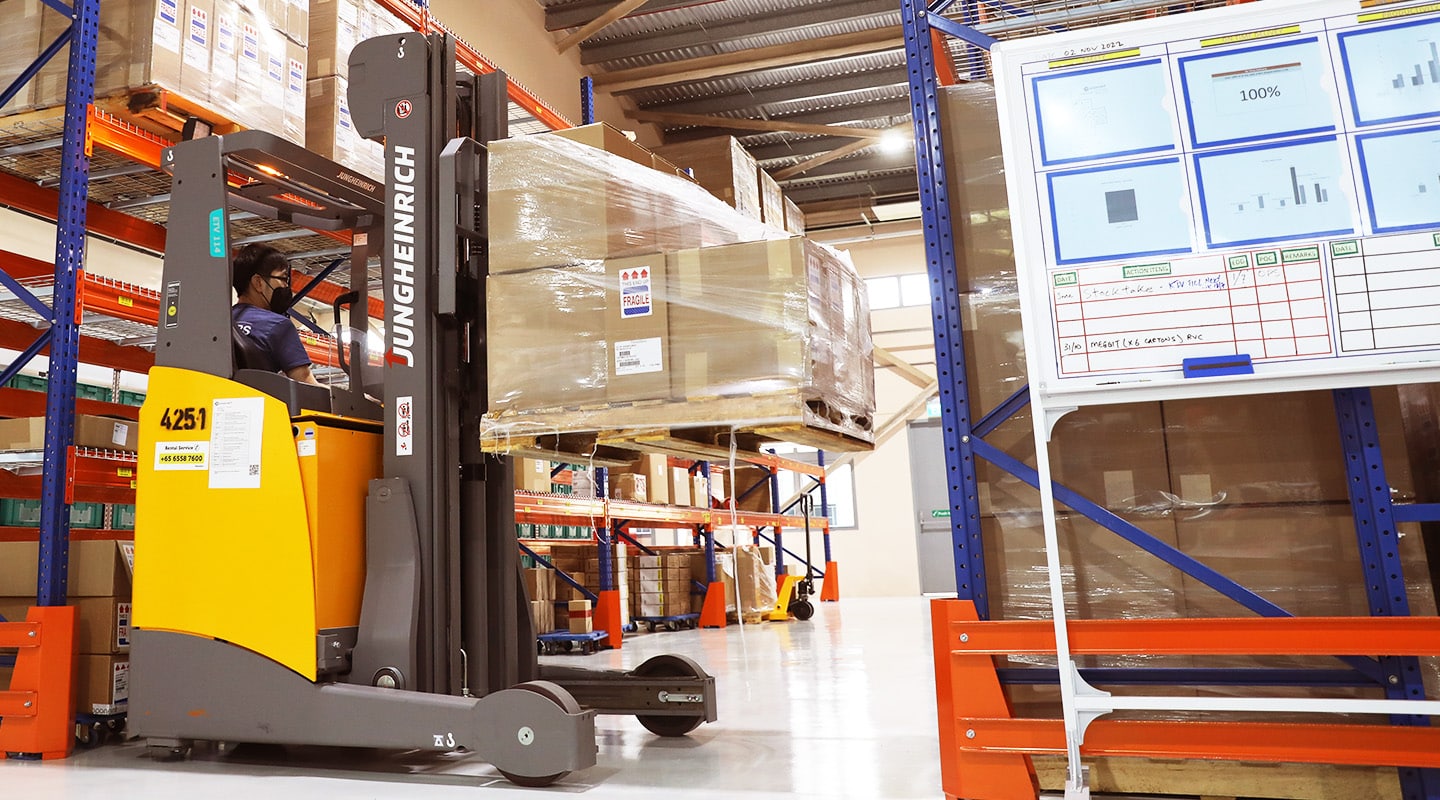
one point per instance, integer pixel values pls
(254, 368)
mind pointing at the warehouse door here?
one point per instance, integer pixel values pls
(932, 501)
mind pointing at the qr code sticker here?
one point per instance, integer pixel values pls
(254, 470)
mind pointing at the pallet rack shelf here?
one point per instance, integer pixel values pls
(983, 749)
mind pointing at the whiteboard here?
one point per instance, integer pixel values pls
(1232, 201)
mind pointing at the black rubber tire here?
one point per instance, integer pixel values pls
(669, 666)
(563, 699)
(89, 734)
(802, 610)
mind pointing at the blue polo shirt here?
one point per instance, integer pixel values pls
(275, 334)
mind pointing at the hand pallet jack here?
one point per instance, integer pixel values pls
(316, 568)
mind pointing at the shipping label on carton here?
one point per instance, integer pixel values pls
(636, 296)
(122, 625)
(639, 356)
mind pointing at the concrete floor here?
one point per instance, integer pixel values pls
(840, 706)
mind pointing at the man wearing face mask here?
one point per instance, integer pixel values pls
(262, 286)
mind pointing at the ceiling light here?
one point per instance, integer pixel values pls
(893, 212)
(895, 142)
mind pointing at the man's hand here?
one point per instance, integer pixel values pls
(303, 374)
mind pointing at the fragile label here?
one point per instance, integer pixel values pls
(636, 297)
(197, 48)
(122, 625)
(404, 426)
(182, 455)
(638, 356)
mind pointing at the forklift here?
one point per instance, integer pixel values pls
(316, 567)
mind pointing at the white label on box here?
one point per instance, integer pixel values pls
(305, 448)
(636, 297)
(404, 419)
(276, 72)
(120, 434)
(169, 11)
(235, 435)
(297, 78)
(127, 551)
(182, 456)
(120, 682)
(250, 43)
(166, 33)
(638, 356)
(197, 43)
(122, 625)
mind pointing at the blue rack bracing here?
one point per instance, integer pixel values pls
(1375, 517)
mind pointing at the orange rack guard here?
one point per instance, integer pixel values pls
(38, 711)
(985, 750)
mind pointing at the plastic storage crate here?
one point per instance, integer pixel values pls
(16, 513)
(122, 518)
(84, 391)
(28, 382)
(136, 399)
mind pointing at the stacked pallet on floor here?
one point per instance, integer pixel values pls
(1252, 486)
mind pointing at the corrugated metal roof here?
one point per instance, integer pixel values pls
(771, 39)
(780, 76)
(698, 15)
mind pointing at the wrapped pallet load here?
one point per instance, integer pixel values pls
(622, 298)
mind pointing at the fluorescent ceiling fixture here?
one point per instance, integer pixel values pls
(897, 211)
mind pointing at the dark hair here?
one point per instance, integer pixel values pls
(255, 259)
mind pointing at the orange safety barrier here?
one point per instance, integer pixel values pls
(38, 711)
(830, 584)
(607, 617)
(984, 750)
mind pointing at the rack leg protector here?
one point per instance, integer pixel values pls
(38, 711)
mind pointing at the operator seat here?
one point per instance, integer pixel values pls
(254, 368)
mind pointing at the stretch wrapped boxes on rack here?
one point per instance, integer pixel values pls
(649, 305)
(224, 60)
(1252, 486)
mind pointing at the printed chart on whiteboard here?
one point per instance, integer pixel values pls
(1249, 195)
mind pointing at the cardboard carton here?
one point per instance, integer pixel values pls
(629, 487)
(582, 616)
(637, 329)
(96, 568)
(542, 615)
(772, 202)
(794, 218)
(723, 167)
(532, 475)
(102, 684)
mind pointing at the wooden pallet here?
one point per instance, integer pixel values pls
(162, 111)
(616, 434)
(1226, 780)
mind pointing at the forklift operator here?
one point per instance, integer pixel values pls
(262, 287)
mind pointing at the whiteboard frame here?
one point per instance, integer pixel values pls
(1048, 388)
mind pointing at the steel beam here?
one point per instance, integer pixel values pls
(863, 186)
(583, 12)
(782, 93)
(894, 108)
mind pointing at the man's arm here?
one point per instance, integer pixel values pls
(302, 373)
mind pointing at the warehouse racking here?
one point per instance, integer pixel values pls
(612, 520)
(984, 750)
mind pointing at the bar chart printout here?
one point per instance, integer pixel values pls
(1260, 194)
(1143, 317)
(1401, 174)
(1393, 72)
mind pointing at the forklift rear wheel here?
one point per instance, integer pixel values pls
(802, 609)
(669, 666)
(566, 702)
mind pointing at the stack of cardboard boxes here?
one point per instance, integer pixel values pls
(243, 61)
(662, 584)
(644, 296)
(336, 26)
(99, 588)
(540, 588)
(1253, 486)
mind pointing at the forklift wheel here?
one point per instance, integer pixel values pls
(802, 609)
(669, 666)
(566, 701)
(89, 734)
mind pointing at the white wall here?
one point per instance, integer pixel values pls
(511, 33)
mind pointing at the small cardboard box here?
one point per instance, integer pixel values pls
(723, 167)
(103, 433)
(582, 616)
(626, 486)
(539, 584)
(542, 615)
(532, 475)
(102, 684)
(750, 488)
(794, 218)
(680, 486)
(612, 140)
(700, 491)
(772, 201)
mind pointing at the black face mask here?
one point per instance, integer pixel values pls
(280, 299)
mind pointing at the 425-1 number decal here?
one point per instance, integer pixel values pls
(184, 419)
